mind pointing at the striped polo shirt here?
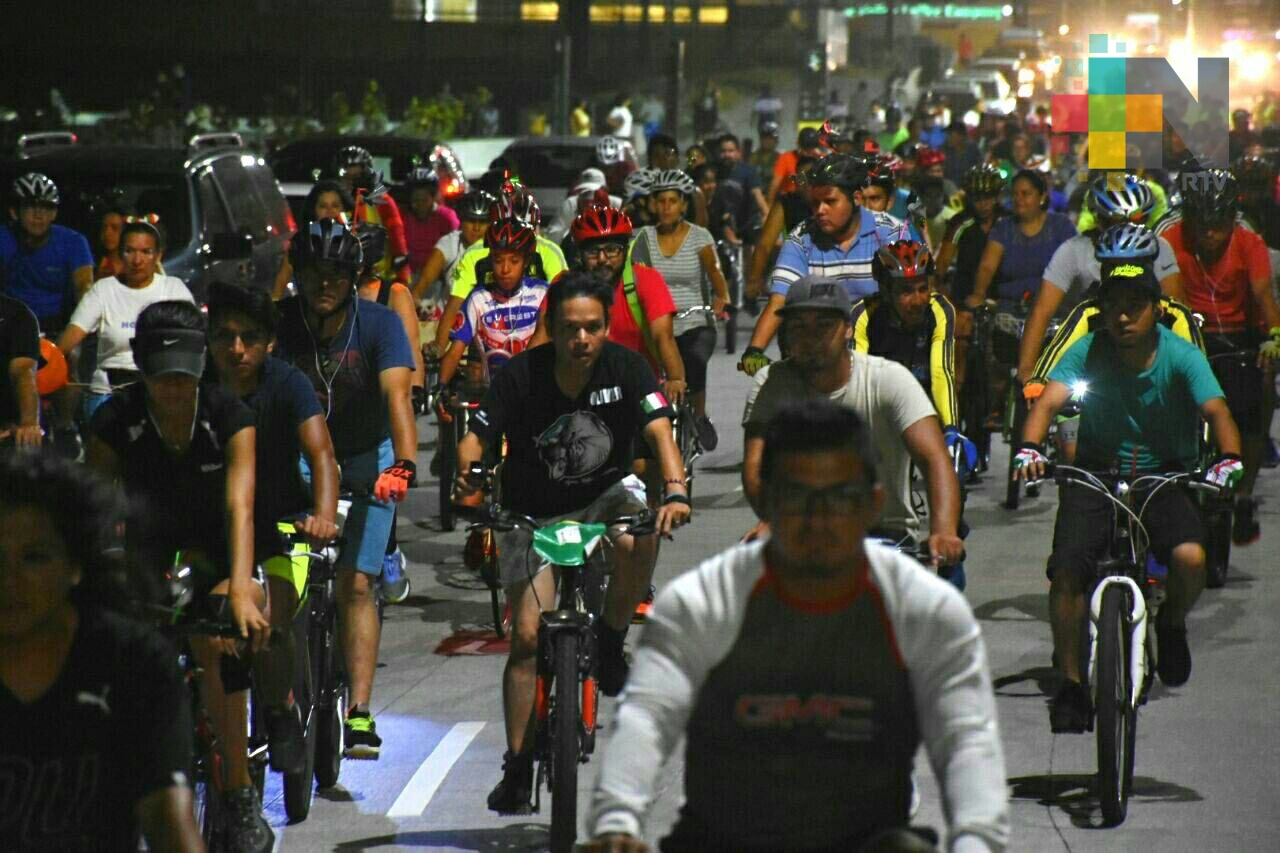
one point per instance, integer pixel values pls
(802, 255)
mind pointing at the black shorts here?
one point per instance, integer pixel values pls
(696, 346)
(1241, 379)
(1082, 530)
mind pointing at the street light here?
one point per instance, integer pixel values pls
(1063, 30)
(1006, 10)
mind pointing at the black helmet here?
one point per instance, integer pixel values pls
(475, 205)
(373, 242)
(984, 179)
(844, 171)
(770, 128)
(834, 132)
(423, 176)
(354, 155)
(34, 187)
(1211, 195)
(326, 241)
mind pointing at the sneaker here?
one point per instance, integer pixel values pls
(1245, 530)
(612, 668)
(514, 793)
(1071, 711)
(286, 739)
(1173, 661)
(707, 435)
(642, 609)
(395, 583)
(247, 830)
(360, 736)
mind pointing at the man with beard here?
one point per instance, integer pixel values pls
(1147, 391)
(806, 743)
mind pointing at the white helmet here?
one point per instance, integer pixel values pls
(608, 151)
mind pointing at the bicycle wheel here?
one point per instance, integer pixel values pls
(1218, 544)
(687, 444)
(1116, 713)
(565, 748)
(976, 406)
(331, 695)
(299, 786)
(448, 461)
(1013, 488)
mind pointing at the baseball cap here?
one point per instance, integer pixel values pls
(1132, 273)
(816, 293)
(589, 179)
(170, 351)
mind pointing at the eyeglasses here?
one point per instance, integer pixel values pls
(840, 499)
(228, 337)
(611, 251)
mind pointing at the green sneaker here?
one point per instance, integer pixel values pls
(360, 736)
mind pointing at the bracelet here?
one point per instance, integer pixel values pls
(680, 482)
(677, 499)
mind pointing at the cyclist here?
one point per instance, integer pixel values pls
(733, 170)
(185, 453)
(437, 272)
(747, 658)
(664, 153)
(571, 412)
(1073, 269)
(881, 193)
(1146, 390)
(837, 242)
(685, 256)
(808, 146)
(19, 357)
(1227, 277)
(100, 750)
(428, 219)
(360, 365)
(289, 424)
(327, 199)
(45, 265)
(374, 205)
(1259, 197)
(766, 153)
(111, 307)
(904, 425)
(111, 219)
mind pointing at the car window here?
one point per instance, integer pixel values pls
(551, 165)
(213, 214)
(276, 208)
(242, 198)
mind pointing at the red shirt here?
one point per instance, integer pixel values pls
(1221, 291)
(423, 234)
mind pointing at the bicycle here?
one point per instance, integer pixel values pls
(731, 263)
(485, 563)
(1219, 511)
(454, 407)
(1120, 656)
(567, 693)
(977, 403)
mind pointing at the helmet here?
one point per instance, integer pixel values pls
(598, 222)
(511, 234)
(516, 202)
(984, 179)
(1037, 163)
(902, 260)
(671, 179)
(769, 128)
(1211, 194)
(833, 133)
(326, 240)
(354, 155)
(373, 242)
(475, 205)
(423, 176)
(1127, 242)
(884, 172)
(1115, 198)
(608, 151)
(638, 183)
(844, 171)
(926, 157)
(34, 187)
(870, 147)
(1255, 173)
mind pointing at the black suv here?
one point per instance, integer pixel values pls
(222, 211)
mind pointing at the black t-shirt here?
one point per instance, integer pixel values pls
(970, 241)
(283, 402)
(19, 338)
(562, 454)
(114, 728)
(182, 499)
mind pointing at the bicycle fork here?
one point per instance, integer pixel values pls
(554, 622)
(1137, 620)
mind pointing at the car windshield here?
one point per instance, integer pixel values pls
(551, 165)
(84, 194)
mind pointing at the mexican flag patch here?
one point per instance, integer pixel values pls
(654, 402)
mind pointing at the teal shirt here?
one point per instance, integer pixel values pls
(1152, 417)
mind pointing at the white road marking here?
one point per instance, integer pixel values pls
(728, 499)
(422, 787)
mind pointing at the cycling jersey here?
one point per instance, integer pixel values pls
(385, 212)
(792, 744)
(44, 278)
(1222, 291)
(19, 338)
(928, 351)
(1086, 317)
(806, 252)
(500, 324)
(475, 267)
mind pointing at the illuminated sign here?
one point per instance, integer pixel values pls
(929, 10)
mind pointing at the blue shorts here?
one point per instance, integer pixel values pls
(368, 526)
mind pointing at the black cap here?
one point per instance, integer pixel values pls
(816, 293)
(808, 139)
(1132, 273)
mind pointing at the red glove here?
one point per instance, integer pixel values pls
(393, 483)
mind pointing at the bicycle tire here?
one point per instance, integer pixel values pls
(299, 786)
(687, 444)
(977, 402)
(329, 708)
(1218, 546)
(565, 746)
(1013, 488)
(208, 808)
(448, 461)
(1116, 715)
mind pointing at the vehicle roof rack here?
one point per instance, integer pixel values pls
(29, 142)
(206, 141)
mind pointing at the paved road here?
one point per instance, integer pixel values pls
(1207, 759)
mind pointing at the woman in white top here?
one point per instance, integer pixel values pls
(111, 307)
(685, 254)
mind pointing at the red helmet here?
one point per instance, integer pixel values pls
(598, 222)
(511, 234)
(926, 157)
(870, 147)
(902, 260)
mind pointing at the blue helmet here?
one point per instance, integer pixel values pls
(1128, 242)
(1121, 198)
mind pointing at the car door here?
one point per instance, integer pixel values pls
(224, 257)
(248, 218)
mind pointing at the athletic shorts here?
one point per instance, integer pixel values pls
(291, 568)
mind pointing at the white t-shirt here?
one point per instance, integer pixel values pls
(450, 245)
(884, 395)
(110, 309)
(623, 116)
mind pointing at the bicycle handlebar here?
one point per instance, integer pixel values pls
(493, 515)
